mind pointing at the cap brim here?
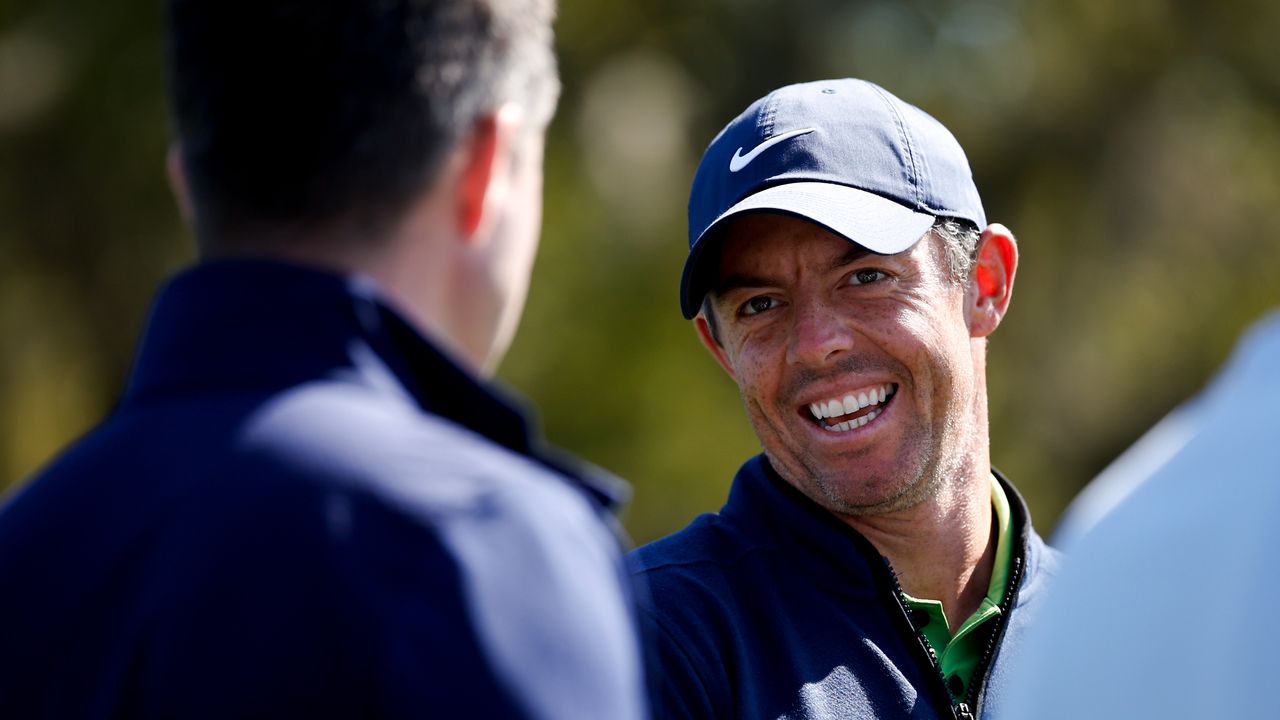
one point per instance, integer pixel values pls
(874, 222)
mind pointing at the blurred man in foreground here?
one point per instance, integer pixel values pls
(309, 502)
(1181, 533)
(870, 563)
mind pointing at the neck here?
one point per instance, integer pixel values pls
(411, 267)
(436, 280)
(419, 284)
(418, 267)
(943, 548)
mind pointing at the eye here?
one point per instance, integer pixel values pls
(757, 305)
(866, 276)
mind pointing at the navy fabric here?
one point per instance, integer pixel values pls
(864, 137)
(303, 509)
(773, 608)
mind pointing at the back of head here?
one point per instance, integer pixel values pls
(303, 118)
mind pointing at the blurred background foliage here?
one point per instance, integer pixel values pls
(1133, 147)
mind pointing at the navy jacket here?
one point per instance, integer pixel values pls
(774, 608)
(302, 509)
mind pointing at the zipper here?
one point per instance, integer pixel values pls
(974, 697)
(968, 708)
(976, 694)
(959, 711)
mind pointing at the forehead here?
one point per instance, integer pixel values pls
(772, 240)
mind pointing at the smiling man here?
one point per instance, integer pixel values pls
(870, 562)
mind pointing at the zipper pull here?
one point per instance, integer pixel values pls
(962, 712)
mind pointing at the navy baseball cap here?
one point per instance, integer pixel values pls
(845, 154)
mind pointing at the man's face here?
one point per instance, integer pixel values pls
(858, 371)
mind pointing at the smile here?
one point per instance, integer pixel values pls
(854, 410)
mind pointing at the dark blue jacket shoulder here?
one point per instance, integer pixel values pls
(301, 508)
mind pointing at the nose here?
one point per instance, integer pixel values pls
(818, 335)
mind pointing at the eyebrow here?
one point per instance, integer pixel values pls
(853, 254)
(735, 282)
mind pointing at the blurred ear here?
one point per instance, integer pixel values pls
(484, 159)
(709, 342)
(176, 169)
(991, 287)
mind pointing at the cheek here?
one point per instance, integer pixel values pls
(755, 364)
(931, 344)
(753, 377)
(948, 356)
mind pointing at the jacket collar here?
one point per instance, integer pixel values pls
(253, 326)
(768, 509)
(808, 533)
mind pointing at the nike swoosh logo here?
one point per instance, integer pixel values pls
(739, 161)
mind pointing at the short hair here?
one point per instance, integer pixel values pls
(959, 241)
(299, 114)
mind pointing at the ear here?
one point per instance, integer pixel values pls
(991, 287)
(709, 342)
(176, 170)
(485, 158)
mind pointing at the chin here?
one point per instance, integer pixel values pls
(860, 491)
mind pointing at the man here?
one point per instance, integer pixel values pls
(870, 563)
(309, 502)
(1180, 532)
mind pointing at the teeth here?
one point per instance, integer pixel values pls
(853, 424)
(828, 409)
(850, 403)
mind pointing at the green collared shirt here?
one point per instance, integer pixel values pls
(959, 652)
